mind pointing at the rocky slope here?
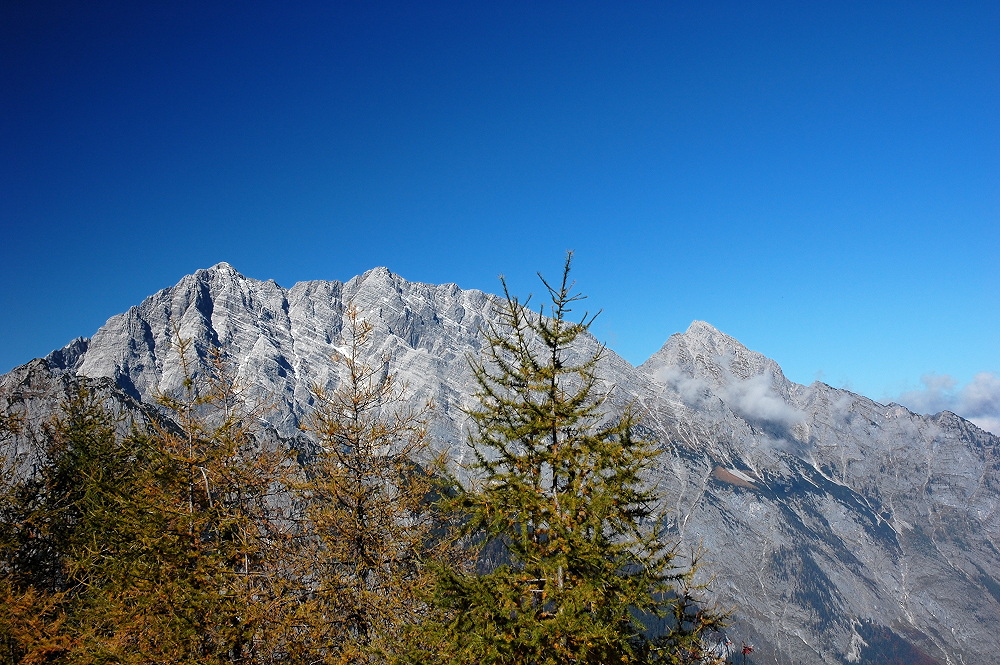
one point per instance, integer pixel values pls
(841, 530)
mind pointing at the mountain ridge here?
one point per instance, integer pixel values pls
(845, 527)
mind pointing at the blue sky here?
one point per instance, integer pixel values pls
(819, 180)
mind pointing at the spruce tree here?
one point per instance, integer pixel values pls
(563, 503)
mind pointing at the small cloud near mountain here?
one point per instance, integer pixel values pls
(977, 401)
(755, 398)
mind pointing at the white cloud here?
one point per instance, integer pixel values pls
(756, 399)
(753, 398)
(978, 400)
(691, 390)
(990, 424)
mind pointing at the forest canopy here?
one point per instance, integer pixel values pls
(189, 538)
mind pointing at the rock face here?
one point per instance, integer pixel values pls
(848, 531)
(840, 530)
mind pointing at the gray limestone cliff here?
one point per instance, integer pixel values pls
(840, 530)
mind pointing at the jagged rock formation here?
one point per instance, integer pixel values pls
(840, 530)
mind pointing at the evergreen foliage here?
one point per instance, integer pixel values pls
(70, 537)
(562, 497)
(187, 540)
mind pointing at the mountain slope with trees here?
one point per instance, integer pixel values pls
(839, 529)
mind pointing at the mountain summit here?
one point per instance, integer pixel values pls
(841, 530)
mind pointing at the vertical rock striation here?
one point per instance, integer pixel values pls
(840, 530)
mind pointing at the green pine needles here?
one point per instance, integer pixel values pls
(188, 537)
(579, 569)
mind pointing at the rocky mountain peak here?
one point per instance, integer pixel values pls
(223, 267)
(706, 354)
(705, 329)
(378, 274)
(840, 529)
(221, 272)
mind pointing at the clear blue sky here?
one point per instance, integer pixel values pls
(819, 180)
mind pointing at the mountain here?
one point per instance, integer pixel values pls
(839, 529)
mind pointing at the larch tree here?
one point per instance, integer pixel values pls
(217, 587)
(165, 544)
(580, 567)
(366, 501)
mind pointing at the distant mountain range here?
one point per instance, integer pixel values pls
(840, 530)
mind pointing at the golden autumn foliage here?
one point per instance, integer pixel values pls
(367, 496)
(192, 538)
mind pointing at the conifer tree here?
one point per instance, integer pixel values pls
(69, 537)
(563, 500)
(215, 584)
(167, 544)
(369, 520)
